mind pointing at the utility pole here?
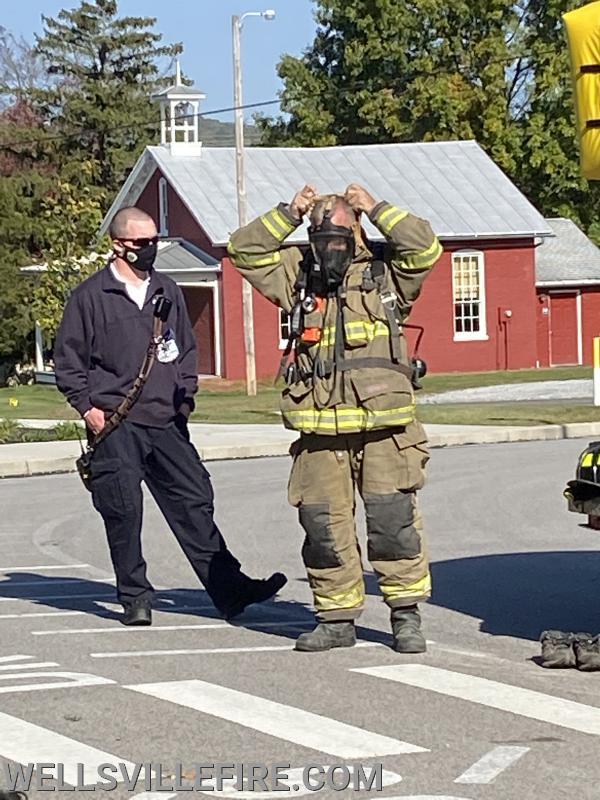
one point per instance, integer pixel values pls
(240, 177)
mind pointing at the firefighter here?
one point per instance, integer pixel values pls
(348, 392)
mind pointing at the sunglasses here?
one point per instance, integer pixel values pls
(139, 243)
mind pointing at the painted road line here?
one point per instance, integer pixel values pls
(275, 719)
(6, 659)
(160, 628)
(201, 651)
(35, 665)
(70, 680)
(501, 696)
(487, 769)
(92, 596)
(169, 609)
(27, 614)
(26, 743)
(153, 796)
(41, 597)
(48, 582)
(21, 568)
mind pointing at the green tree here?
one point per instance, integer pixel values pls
(401, 70)
(394, 70)
(71, 217)
(105, 68)
(25, 178)
(549, 165)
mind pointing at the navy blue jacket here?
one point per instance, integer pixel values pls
(101, 343)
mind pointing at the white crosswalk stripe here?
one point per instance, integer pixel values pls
(275, 719)
(24, 743)
(500, 696)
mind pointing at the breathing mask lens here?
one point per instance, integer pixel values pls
(333, 252)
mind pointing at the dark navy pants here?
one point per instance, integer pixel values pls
(168, 463)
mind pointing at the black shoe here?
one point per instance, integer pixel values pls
(137, 612)
(326, 636)
(557, 649)
(406, 627)
(255, 591)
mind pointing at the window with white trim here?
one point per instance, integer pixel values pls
(163, 207)
(468, 295)
(284, 328)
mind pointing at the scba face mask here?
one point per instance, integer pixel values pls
(143, 255)
(332, 247)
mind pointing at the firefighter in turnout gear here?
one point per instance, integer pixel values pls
(349, 393)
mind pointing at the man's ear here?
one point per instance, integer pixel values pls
(118, 248)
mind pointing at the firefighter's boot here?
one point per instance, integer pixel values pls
(557, 649)
(406, 627)
(326, 636)
(587, 652)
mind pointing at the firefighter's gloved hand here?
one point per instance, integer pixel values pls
(303, 201)
(359, 199)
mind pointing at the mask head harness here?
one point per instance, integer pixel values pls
(333, 246)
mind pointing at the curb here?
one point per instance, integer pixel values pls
(27, 467)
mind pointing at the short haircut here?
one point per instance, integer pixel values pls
(118, 224)
(336, 205)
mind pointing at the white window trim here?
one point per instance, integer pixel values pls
(481, 335)
(282, 342)
(163, 207)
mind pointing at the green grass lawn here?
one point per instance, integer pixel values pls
(507, 413)
(228, 403)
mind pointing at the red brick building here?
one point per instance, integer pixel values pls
(481, 307)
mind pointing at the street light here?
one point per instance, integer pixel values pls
(247, 311)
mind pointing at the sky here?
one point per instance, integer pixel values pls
(204, 28)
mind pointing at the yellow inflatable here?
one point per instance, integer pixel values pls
(583, 34)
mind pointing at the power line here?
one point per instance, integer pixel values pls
(156, 124)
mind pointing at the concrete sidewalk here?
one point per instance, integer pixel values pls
(221, 442)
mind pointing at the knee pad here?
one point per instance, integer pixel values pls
(390, 527)
(318, 550)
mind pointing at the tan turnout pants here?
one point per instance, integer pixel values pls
(387, 467)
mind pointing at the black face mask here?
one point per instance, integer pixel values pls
(333, 249)
(143, 257)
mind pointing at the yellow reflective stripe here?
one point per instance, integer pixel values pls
(391, 223)
(348, 419)
(351, 598)
(425, 259)
(420, 588)
(283, 223)
(394, 221)
(272, 229)
(247, 260)
(277, 224)
(362, 330)
(387, 213)
(587, 460)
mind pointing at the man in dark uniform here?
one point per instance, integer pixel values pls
(100, 346)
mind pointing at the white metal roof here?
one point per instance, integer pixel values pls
(455, 185)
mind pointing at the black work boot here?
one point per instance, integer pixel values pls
(406, 627)
(137, 612)
(557, 649)
(587, 652)
(255, 591)
(326, 636)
